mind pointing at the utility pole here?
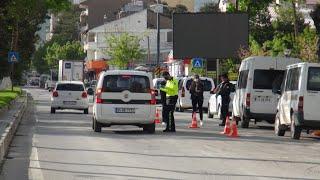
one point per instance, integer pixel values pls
(158, 37)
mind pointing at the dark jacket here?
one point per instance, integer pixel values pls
(196, 89)
(224, 90)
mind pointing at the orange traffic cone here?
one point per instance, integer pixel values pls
(194, 123)
(227, 127)
(234, 130)
(157, 120)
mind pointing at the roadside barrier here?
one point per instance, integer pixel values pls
(234, 130)
(157, 120)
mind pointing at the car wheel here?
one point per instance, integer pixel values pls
(279, 129)
(86, 111)
(209, 113)
(245, 122)
(53, 110)
(295, 130)
(96, 126)
(150, 128)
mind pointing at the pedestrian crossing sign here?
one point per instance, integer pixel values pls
(13, 57)
(197, 63)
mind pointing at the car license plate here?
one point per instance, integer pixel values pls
(125, 110)
(69, 102)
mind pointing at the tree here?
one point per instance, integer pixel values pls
(210, 7)
(123, 49)
(315, 14)
(307, 44)
(180, 8)
(70, 51)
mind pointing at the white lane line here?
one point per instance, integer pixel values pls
(34, 171)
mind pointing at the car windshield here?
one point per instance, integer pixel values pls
(132, 83)
(206, 83)
(314, 79)
(263, 79)
(70, 87)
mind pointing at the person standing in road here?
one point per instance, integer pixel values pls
(196, 91)
(224, 89)
(171, 90)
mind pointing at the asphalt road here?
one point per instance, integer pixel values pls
(63, 146)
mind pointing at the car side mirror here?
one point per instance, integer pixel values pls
(276, 91)
(90, 91)
(49, 89)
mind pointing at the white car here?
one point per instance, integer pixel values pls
(253, 98)
(69, 95)
(124, 98)
(184, 100)
(298, 107)
(214, 104)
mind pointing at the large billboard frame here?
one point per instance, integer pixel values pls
(212, 13)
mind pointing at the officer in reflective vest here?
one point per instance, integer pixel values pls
(171, 90)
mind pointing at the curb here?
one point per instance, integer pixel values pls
(8, 135)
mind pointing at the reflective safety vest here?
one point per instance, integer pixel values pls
(171, 87)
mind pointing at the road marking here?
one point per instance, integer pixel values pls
(35, 172)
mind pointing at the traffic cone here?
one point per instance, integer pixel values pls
(227, 127)
(194, 123)
(234, 130)
(157, 120)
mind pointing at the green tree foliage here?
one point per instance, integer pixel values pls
(19, 20)
(315, 14)
(180, 8)
(123, 49)
(307, 44)
(69, 51)
(66, 31)
(168, 11)
(210, 7)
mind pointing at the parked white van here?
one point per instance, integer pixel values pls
(124, 98)
(184, 100)
(254, 98)
(298, 106)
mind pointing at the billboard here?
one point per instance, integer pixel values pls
(213, 35)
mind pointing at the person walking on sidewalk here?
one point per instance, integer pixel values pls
(224, 89)
(171, 90)
(196, 91)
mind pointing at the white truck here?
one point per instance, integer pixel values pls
(71, 70)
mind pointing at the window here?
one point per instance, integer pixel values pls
(313, 79)
(132, 83)
(292, 83)
(264, 79)
(243, 79)
(207, 85)
(70, 87)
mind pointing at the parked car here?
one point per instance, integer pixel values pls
(253, 98)
(124, 98)
(69, 95)
(298, 107)
(184, 100)
(214, 104)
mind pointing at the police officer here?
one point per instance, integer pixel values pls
(171, 90)
(224, 89)
(196, 91)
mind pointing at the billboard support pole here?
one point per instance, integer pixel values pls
(158, 37)
(218, 70)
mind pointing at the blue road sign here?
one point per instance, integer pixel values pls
(197, 63)
(13, 57)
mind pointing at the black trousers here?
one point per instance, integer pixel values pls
(168, 112)
(197, 103)
(224, 109)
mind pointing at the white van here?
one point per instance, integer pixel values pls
(184, 100)
(124, 98)
(299, 101)
(254, 98)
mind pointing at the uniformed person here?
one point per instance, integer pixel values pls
(196, 91)
(171, 90)
(224, 89)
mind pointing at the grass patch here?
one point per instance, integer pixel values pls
(6, 96)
